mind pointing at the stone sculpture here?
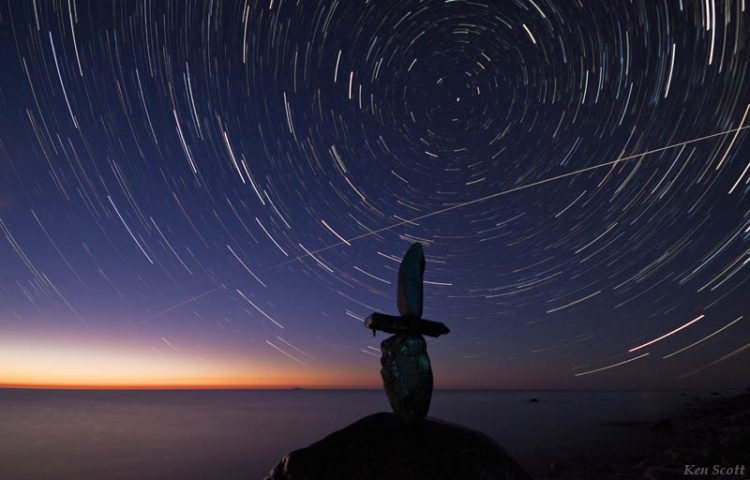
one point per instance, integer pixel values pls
(403, 445)
(406, 370)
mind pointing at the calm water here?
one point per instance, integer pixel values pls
(242, 434)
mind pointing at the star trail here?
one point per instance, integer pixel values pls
(219, 192)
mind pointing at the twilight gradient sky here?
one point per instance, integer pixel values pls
(211, 193)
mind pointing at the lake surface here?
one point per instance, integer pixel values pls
(88, 434)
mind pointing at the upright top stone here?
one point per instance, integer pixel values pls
(410, 275)
(409, 301)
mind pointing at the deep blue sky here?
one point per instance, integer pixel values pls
(176, 179)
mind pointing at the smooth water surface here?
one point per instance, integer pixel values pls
(88, 434)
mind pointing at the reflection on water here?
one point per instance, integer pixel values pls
(75, 434)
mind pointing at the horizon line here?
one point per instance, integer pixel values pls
(361, 388)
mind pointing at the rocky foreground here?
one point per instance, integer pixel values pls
(382, 446)
(710, 441)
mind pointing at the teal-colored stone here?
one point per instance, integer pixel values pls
(407, 375)
(410, 282)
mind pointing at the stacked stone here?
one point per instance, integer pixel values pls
(406, 370)
(404, 445)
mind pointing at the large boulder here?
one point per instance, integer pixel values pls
(382, 446)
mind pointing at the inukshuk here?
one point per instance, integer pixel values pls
(406, 372)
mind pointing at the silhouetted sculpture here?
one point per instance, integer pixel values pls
(406, 372)
(403, 445)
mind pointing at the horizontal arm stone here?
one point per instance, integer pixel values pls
(391, 324)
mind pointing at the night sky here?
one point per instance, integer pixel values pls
(213, 193)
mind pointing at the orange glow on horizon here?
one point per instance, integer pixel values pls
(69, 365)
(35, 386)
(74, 360)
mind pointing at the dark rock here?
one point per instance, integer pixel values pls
(658, 473)
(663, 425)
(533, 400)
(382, 446)
(407, 375)
(626, 423)
(557, 468)
(410, 282)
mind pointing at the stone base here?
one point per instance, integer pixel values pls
(382, 446)
(407, 375)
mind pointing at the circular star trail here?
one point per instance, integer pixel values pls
(237, 182)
